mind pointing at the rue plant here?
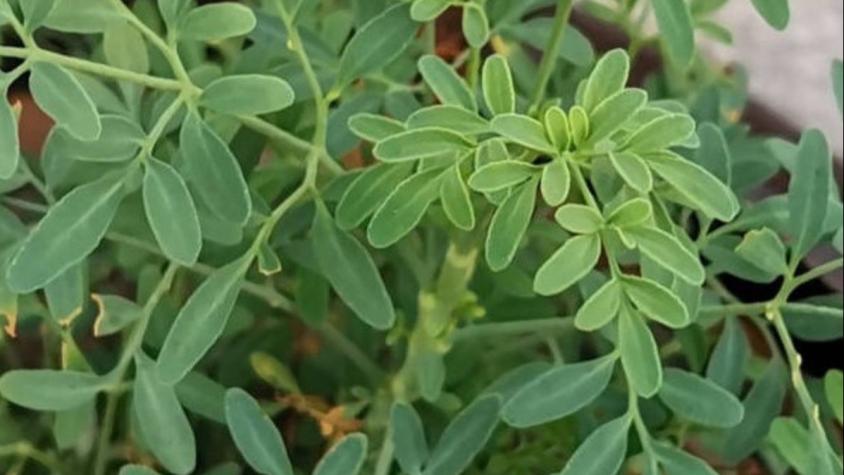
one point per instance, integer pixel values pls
(325, 237)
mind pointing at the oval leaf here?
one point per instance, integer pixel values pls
(171, 213)
(404, 209)
(247, 94)
(62, 97)
(639, 354)
(446, 84)
(346, 458)
(50, 390)
(408, 436)
(498, 88)
(255, 435)
(217, 22)
(571, 263)
(509, 225)
(465, 437)
(603, 452)
(700, 401)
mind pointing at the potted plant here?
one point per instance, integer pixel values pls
(346, 237)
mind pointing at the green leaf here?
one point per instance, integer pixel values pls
(35, 12)
(376, 44)
(269, 264)
(556, 182)
(446, 84)
(509, 225)
(456, 201)
(475, 25)
(498, 88)
(9, 144)
(633, 213)
(579, 123)
(420, 144)
(162, 421)
(408, 436)
(62, 97)
(217, 22)
(202, 396)
(714, 153)
(679, 462)
(172, 11)
(558, 128)
(404, 209)
(657, 302)
(668, 252)
(611, 114)
(834, 385)
(601, 308)
(501, 175)
(171, 213)
(677, 28)
(776, 12)
(50, 390)
(730, 357)
(349, 268)
(124, 47)
(453, 118)
(571, 263)
(661, 133)
(558, 393)
(427, 10)
(255, 435)
(375, 128)
(793, 442)
(765, 250)
(700, 401)
(67, 293)
(465, 437)
(579, 219)
(523, 130)
(214, 171)
(201, 321)
(761, 406)
(699, 187)
(603, 452)
(136, 470)
(808, 194)
(608, 78)
(71, 231)
(368, 191)
(345, 458)
(120, 141)
(633, 170)
(114, 314)
(248, 94)
(639, 354)
(82, 16)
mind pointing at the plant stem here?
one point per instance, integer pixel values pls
(508, 329)
(27, 451)
(552, 51)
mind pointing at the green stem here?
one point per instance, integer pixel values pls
(106, 430)
(509, 329)
(816, 273)
(552, 51)
(26, 451)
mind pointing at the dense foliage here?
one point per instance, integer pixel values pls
(533, 273)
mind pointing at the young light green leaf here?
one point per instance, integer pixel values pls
(765, 250)
(579, 219)
(9, 144)
(580, 126)
(834, 386)
(676, 461)
(475, 25)
(808, 194)
(368, 191)
(427, 10)
(558, 128)
(162, 421)
(255, 435)
(603, 451)
(633, 213)
(498, 88)
(601, 308)
(700, 401)
(420, 144)
(375, 128)
(662, 133)
(572, 262)
(509, 225)
(556, 182)
(639, 354)
(349, 268)
(452, 118)
(776, 12)
(72, 229)
(446, 84)
(408, 436)
(677, 28)
(201, 321)
(124, 47)
(667, 250)
(656, 302)
(62, 97)
(171, 213)
(696, 185)
(345, 458)
(523, 130)
(214, 172)
(611, 114)
(248, 94)
(559, 393)
(793, 442)
(608, 78)
(730, 357)
(376, 44)
(217, 22)
(465, 437)
(404, 208)
(633, 170)
(501, 175)
(50, 390)
(456, 201)
(114, 314)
